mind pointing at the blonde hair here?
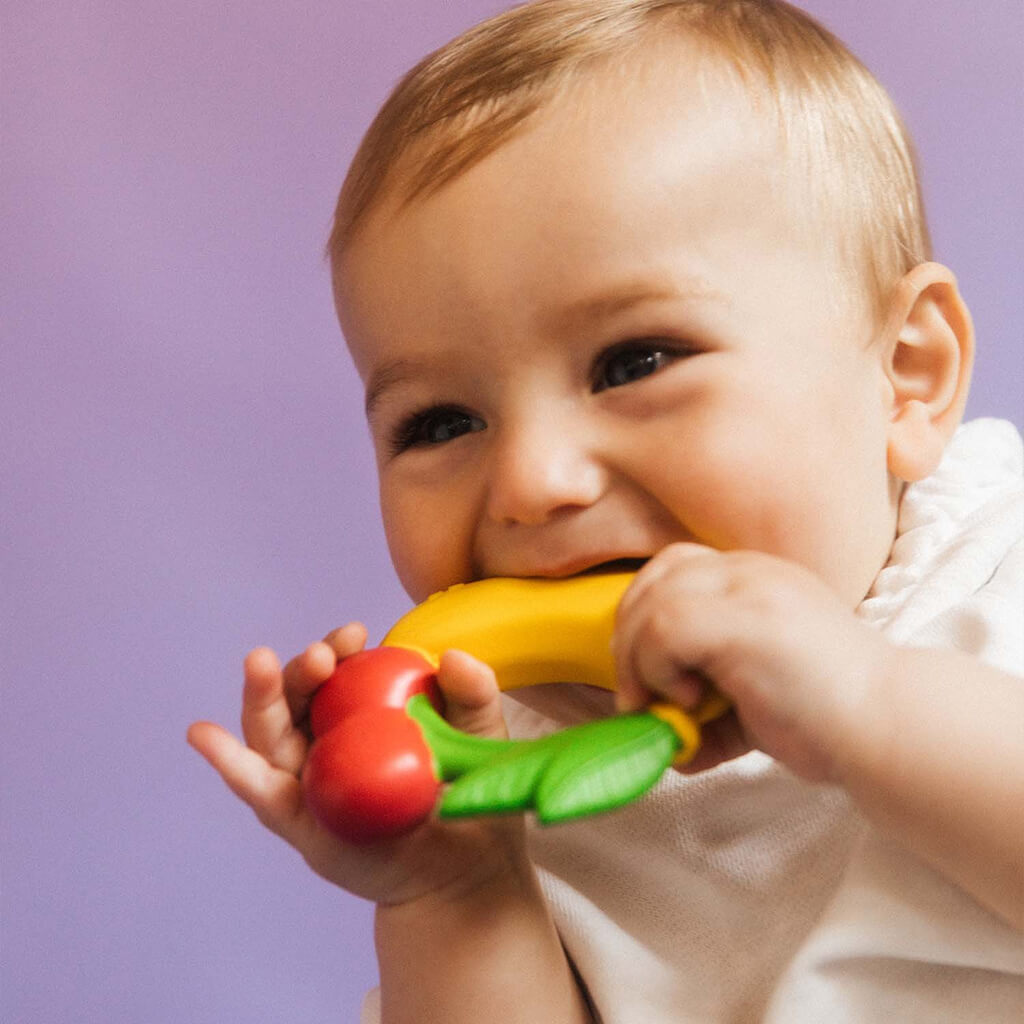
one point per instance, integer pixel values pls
(463, 101)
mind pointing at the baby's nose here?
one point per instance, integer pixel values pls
(542, 470)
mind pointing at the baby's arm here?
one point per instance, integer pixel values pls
(490, 952)
(927, 742)
(946, 771)
(462, 926)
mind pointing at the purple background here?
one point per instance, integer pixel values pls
(185, 469)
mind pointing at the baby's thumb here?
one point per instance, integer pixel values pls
(472, 700)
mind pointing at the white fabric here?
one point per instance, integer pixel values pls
(743, 894)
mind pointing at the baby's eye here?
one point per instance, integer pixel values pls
(630, 362)
(435, 426)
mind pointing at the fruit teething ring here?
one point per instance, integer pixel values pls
(382, 752)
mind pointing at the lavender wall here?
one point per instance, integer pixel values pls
(185, 471)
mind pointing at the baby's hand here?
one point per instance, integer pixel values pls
(802, 672)
(265, 773)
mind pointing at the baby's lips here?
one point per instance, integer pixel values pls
(381, 677)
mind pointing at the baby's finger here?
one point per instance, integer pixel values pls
(659, 673)
(636, 684)
(306, 672)
(347, 639)
(692, 558)
(267, 723)
(275, 796)
(472, 699)
(646, 671)
(652, 618)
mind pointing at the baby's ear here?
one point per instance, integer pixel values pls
(928, 357)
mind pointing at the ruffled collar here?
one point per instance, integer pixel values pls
(981, 467)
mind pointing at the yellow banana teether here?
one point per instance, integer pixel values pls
(528, 630)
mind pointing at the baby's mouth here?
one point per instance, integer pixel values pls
(616, 565)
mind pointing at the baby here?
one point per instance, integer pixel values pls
(650, 280)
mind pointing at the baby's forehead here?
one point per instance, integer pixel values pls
(585, 130)
(657, 71)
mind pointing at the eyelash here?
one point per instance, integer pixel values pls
(411, 431)
(655, 353)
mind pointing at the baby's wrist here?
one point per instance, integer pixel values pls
(490, 893)
(500, 868)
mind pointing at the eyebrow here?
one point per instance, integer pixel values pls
(572, 317)
(387, 376)
(625, 296)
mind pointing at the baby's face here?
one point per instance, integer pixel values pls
(612, 334)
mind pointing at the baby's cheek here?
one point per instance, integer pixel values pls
(766, 482)
(741, 501)
(426, 548)
(415, 562)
